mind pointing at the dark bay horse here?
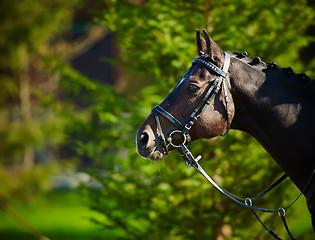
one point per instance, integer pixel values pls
(222, 91)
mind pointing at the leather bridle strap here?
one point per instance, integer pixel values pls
(213, 68)
(169, 116)
(161, 133)
(220, 82)
(205, 101)
(246, 202)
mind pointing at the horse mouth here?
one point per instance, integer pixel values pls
(157, 153)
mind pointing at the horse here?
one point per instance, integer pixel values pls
(223, 91)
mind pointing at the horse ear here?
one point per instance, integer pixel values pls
(201, 44)
(213, 50)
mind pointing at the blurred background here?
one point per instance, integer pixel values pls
(78, 78)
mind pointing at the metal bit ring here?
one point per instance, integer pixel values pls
(170, 140)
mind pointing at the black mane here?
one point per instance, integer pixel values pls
(265, 67)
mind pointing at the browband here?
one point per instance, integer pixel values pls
(211, 67)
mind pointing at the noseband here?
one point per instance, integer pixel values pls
(182, 130)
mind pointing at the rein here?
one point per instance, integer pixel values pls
(182, 133)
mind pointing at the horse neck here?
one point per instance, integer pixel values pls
(278, 111)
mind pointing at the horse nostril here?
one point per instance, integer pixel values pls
(143, 141)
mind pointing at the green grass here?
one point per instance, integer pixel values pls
(63, 215)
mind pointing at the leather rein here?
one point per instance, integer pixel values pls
(182, 133)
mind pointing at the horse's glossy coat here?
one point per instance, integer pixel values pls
(272, 104)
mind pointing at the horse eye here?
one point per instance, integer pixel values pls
(192, 88)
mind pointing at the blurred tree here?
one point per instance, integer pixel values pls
(31, 121)
(142, 200)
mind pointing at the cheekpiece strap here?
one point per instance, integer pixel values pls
(226, 62)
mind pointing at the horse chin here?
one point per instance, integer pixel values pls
(156, 156)
(154, 153)
(157, 153)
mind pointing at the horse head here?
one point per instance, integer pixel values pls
(200, 106)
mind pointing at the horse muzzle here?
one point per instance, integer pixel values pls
(148, 146)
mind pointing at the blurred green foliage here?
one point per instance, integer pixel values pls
(31, 121)
(26, 28)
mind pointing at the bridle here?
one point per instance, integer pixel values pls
(210, 92)
(182, 133)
